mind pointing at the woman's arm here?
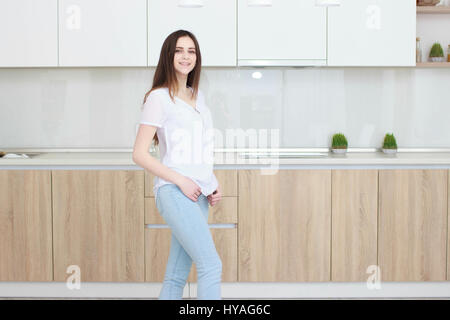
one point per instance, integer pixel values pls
(142, 158)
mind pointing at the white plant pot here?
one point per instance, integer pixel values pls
(389, 151)
(339, 150)
(437, 59)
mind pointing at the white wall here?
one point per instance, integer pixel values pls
(99, 107)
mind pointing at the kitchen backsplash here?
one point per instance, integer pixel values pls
(100, 107)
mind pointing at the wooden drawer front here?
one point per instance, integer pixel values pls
(354, 223)
(157, 249)
(151, 214)
(98, 218)
(223, 212)
(284, 226)
(227, 181)
(412, 228)
(148, 183)
(25, 225)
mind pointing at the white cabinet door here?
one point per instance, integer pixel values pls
(102, 33)
(372, 33)
(28, 33)
(286, 32)
(213, 24)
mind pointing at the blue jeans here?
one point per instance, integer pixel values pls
(191, 241)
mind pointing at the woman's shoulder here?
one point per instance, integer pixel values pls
(159, 91)
(160, 94)
(157, 96)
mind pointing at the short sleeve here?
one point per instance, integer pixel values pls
(153, 111)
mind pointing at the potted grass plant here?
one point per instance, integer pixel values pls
(437, 53)
(389, 144)
(339, 143)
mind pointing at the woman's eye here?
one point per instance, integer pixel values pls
(178, 50)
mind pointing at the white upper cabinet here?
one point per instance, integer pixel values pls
(288, 32)
(28, 33)
(213, 23)
(102, 33)
(372, 33)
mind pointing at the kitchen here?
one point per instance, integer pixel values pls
(331, 122)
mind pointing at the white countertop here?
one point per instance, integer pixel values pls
(231, 159)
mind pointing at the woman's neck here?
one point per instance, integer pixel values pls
(182, 84)
(183, 90)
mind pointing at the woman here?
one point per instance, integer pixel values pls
(184, 183)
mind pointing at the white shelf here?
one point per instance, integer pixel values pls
(433, 65)
(433, 9)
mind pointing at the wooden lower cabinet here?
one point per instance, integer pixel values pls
(292, 225)
(292, 222)
(25, 225)
(284, 225)
(157, 240)
(157, 248)
(412, 226)
(98, 224)
(226, 245)
(354, 224)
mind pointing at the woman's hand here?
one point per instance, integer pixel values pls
(190, 188)
(215, 197)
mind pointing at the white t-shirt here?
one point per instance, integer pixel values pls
(185, 134)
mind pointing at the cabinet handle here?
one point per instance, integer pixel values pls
(259, 3)
(190, 3)
(328, 3)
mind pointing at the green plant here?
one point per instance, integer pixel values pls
(436, 50)
(339, 141)
(389, 141)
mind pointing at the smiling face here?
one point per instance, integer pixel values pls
(185, 56)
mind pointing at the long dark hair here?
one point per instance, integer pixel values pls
(165, 76)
